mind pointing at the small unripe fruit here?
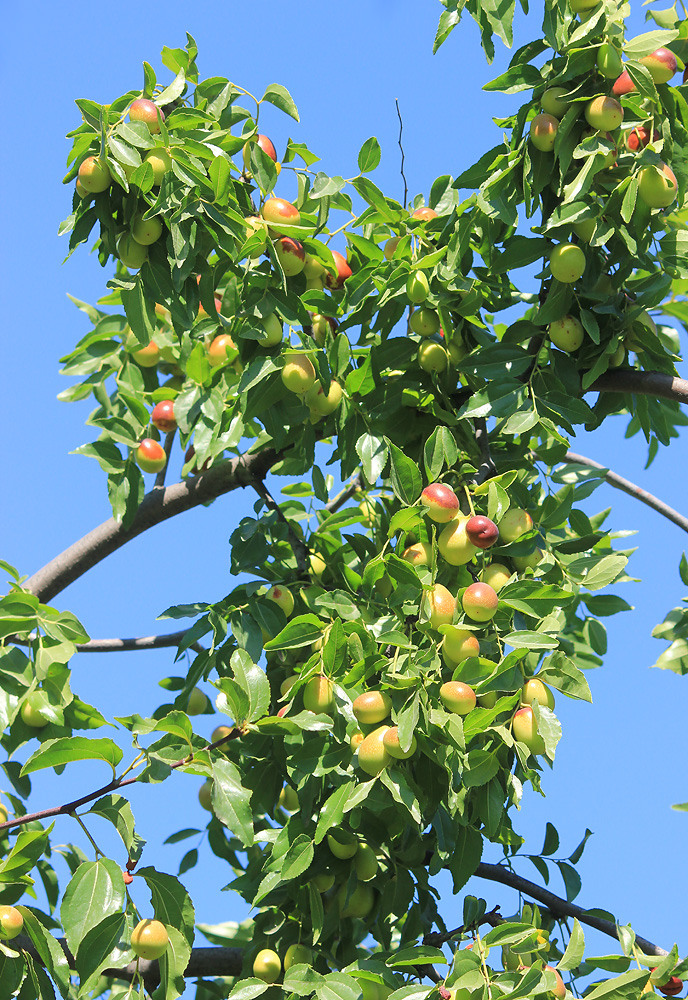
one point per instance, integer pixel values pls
(390, 247)
(131, 253)
(94, 175)
(424, 214)
(323, 882)
(481, 531)
(424, 322)
(516, 522)
(267, 966)
(220, 733)
(543, 132)
(566, 333)
(150, 456)
(496, 574)
(321, 326)
(321, 403)
(552, 102)
(342, 844)
(272, 325)
(163, 416)
(441, 502)
(360, 902)
(205, 795)
(318, 694)
(356, 739)
(373, 756)
(604, 114)
(524, 727)
(282, 597)
(143, 110)
(393, 746)
(419, 554)
(417, 287)
(567, 263)
(657, 186)
(433, 357)
(609, 61)
(146, 231)
(277, 210)
(439, 606)
(455, 546)
(31, 713)
(535, 690)
(289, 799)
(297, 954)
(530, 561)
(457, 697)
(459, 644)
(366, 863)
(372, 707)
(11, 922)
(161, 161)
(480, 602)
(149, 939)
(298, 374)
(198, 702)
(585, 229)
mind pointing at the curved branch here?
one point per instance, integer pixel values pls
(156, 506)
(559, 906)
(69, 807)
(643, 384)
(121, 645)
(614, 479)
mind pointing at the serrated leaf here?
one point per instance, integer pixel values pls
(231, 801)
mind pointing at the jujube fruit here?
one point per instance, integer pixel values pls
(424, 322)
(289, 799)
(143, 110)
(372, 707)
(360, 902)
(343, 271)
(480, 602)
(163, 416)
(373, 756)
(318, 694)
(524, 728)
(149, 939)
(535, 690)
(291, 255)
(297, 954)
(458, 697)
(496, 574)
(459, 644)
(441, 502)
(94, 175)
(439, 606)
(455, 546)
(393, 746)
(342, 843)
(267, 966)
(566, 333)
(298, 373)
(433, 357)
(514, 523)
(11, 922)
(31, 711)
(150, 456)
(276, 210)
(657, 185)
(282, 597)
(604, 114)
(567, 263)
(417, 287)
(543, 132)
(366, 864)
(482, 531)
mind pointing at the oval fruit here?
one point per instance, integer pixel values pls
(342, 843)
(524, 728)
(459, 644)
(457, 697)
(318, 694)
(567, 263)
(480, 602)
(439, 606)
(372, 707)
(535, 690)
(360, 902)
(373, 756)
(516, 522)
(11, 922)
(543, 132)
(267, 966)
(657, 185)
(149, 939)
(441, 502)
(566, 333)
(455, 546)
(393, 746)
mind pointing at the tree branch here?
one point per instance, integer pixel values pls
(642, 383)
(487, 468)
(558, 906)
(169, 440)
(121, 645)
(157, 505)
(354, 486)
(628, 487)
(401, 130)
(69, 807)
(300, 547)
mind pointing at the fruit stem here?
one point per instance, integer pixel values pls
(98, 851)
(470, 500)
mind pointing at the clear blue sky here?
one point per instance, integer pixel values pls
(621, 762)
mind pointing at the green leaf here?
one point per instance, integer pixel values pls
(332, 812)
(466, 855)
(95, 891)
(28, 848)
(49, 951)
(439, 452)
(418, 955)
(301, 631)
(534, 598)
(373, 454)
(251, 678)
(281, 98)
(369, 155)
(573, 955)
(298, 858)
(64, 750)
(231, 801)
(626, 987)
(99, 948)
(404, 475)
(530, 640)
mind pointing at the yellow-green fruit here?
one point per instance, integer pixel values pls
(567, 263)
(524, 728)
(552, 102)
(323, 882)
(317, 565)
(393, 746)
(604, 114)
(424, 322)
(149, 939)
(360, 902)
(419, 554)
(342, 843)
(535, 690)
(131, 253)
(496, 575)
(146, 357)
(609, 62)
(267, 966)
(298, 374)
(197, 703)
(11, 922)
(282, 597)
(585, 229)
(455, 546)
(543, 132)
(372, 707)
(272, 325)
(566, 333)
(516, 522)
(458, 697)
(289, 799)
(3, 813)
(220, 733)
(160, 161)
(530, 561)
(417, 287)
(383, 586)
(657, 185)
(297, 954)
(318, 694)
(146, 231)
(321, 403)
(366, 863)
(460, 643)
(618, 357)
(356, 739)
(439, 606)
(287, 684)
(488, 700)
(390, 247)
(31, 713)
(373, 757)
(205, 795)
(94, 175)
(433, 357)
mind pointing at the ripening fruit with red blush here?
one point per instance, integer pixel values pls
(672, 987)
(639, 137)
(457, 697)
(343, 271)
(657, 185)
(291, 255)
(661, 64)
(94, 175)
(150, 456)
(282, 597)
(524, 728)
(265, 144)
(143, 110)
(163, 416)
(11, 922)
(623, 85)
(543, 132)
(604, 114)
(441, 502)
(276, 210)
(482, 532)
(439, 606)
(419, 554)
(424, 214)
(559, 990)
(480, 602)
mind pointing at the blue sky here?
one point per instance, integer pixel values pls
(620, 764)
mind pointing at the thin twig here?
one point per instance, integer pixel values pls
(299, 546)
(401, 129)
(69, 807)
(354, 486)
(121, 645)
(169, 440)
(559, 906)
(614, 479)
(436, 940)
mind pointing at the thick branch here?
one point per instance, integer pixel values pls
(69, 807)
(121, 645)
(354, 486)
(156, 506)
(628, 487)
(643, 384)
(559, 906)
